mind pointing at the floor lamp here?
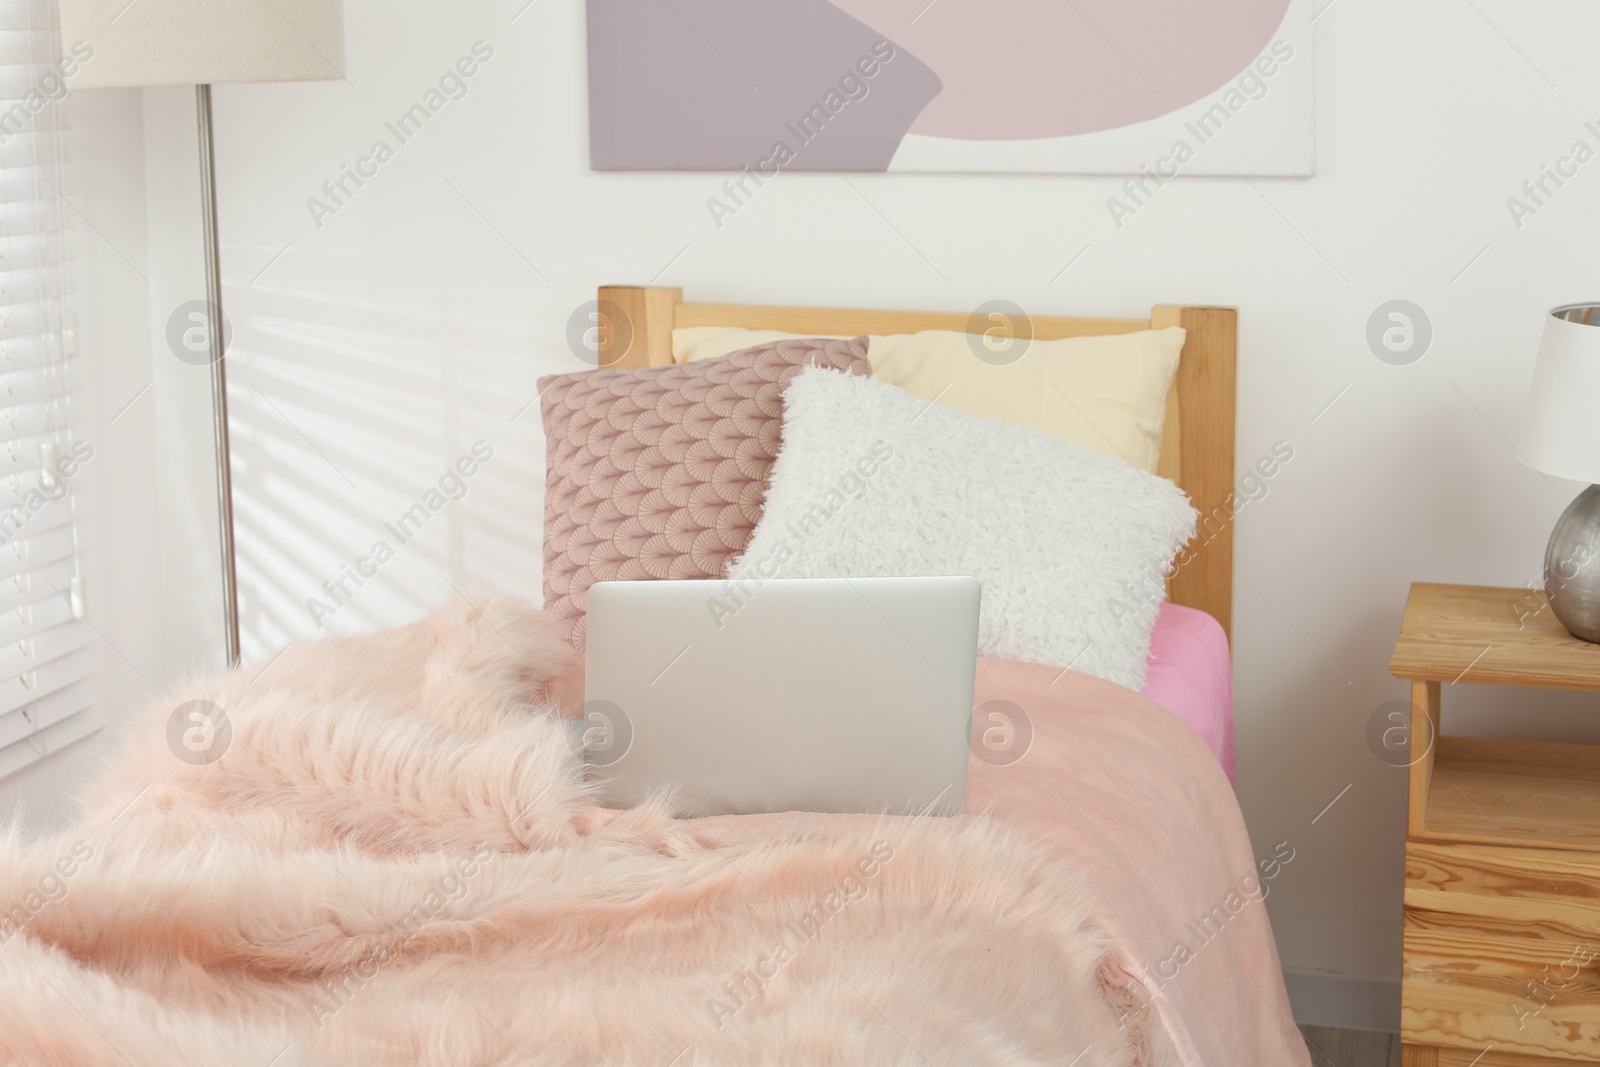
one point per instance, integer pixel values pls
(203, 43)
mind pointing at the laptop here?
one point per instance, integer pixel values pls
(793, 694)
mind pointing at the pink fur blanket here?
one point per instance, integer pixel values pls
(396, 860)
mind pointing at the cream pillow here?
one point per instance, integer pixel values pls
(1104, 393)
(693, 343)
(1107, 393)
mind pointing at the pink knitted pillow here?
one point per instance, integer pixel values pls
(661, 472)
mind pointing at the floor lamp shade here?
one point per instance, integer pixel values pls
(205, 42)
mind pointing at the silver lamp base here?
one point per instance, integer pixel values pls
(1572, 566)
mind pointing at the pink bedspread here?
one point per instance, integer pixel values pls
(1191, 675)
(1122, 786)
(1118, 786)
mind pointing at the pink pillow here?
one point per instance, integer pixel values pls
(661, 472)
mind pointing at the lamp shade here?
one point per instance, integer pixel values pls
(1561, 426)
(205, 42)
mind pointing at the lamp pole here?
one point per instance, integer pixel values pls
(216, 329)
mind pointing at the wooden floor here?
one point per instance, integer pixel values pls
(1351, 1048)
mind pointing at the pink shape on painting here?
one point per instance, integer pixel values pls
(1022, 69)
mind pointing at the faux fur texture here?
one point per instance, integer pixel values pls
(397, 861)
(1071, 546)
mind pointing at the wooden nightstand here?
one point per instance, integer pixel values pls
(1502, 894)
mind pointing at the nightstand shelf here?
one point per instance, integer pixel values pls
(1502, 899)
(1526, 793)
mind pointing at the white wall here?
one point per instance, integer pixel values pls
(373, 350)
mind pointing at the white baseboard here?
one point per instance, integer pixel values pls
(1351, 1001)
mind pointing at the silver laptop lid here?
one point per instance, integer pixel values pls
(803, 694)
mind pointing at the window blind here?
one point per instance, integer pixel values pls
(46, 653)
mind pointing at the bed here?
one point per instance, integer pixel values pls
(1160, 793)
(381, 849)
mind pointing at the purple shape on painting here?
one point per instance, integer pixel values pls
(730, 84)
(1022, 69)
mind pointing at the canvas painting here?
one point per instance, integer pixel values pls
(1035, 86)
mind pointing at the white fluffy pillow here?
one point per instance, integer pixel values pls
(1071, 546)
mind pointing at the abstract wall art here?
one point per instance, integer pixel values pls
(1040, 86)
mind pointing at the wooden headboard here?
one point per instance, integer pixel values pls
(1197, 444)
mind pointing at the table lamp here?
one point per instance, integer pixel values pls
(201, 43)
(1561, 437)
